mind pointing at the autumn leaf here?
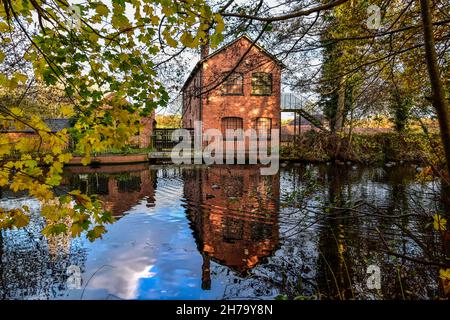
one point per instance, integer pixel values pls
(19, 219)
(102, 9)
(445, 278)
(439, 223)
(95, 233)
(54, 229)
(67, 111)
(76, 229)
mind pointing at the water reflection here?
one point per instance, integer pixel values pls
(233, 213)
(223, 232)
(120, 187)
(32, 267)
(362, 207)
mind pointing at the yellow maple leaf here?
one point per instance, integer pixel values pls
(444, 274)
(67, 111)
(445, 277)
(439, 223)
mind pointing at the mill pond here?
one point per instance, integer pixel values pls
(227, 232)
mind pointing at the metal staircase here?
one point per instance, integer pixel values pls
(292, 103)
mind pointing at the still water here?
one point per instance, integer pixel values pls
(226, 232)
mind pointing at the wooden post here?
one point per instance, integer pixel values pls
(295, 127)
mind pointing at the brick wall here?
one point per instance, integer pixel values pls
(191, 102)
(143, 140)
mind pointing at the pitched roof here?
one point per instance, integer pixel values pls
(200, 62)
(57, 124)
(54, 125)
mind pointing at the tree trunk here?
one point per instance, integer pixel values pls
(340, 105)
(2, 282)
(438, 96)
(350, 129)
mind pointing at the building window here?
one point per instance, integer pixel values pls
(234, 84)
(231, 123)
(196, 87)
(137, 125)
(261, 84)
(233, 229)
(263, 127)
(128, 183)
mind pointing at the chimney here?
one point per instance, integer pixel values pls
(206, 273)
(204, 47)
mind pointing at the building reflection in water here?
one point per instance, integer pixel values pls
(233, 213)
(34, 267)
(119, 187)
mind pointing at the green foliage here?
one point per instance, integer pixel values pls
(402, 114)
(336, 56)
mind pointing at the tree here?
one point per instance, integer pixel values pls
(440, 103)
(38, 99)
(336, 87)
(88, 51)
(168, 121)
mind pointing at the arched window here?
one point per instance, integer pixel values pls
(263, 127)
(231, 123)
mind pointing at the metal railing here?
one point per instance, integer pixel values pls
(162, 138)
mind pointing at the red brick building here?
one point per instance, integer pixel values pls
(144, 138)
(237, 86)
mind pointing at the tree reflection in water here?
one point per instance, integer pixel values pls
(331, 223)
(33, 267)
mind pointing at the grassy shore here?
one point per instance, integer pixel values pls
(123, 151)
(382, 147)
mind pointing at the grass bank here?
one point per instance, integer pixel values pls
(383, 147)
(123, 151)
